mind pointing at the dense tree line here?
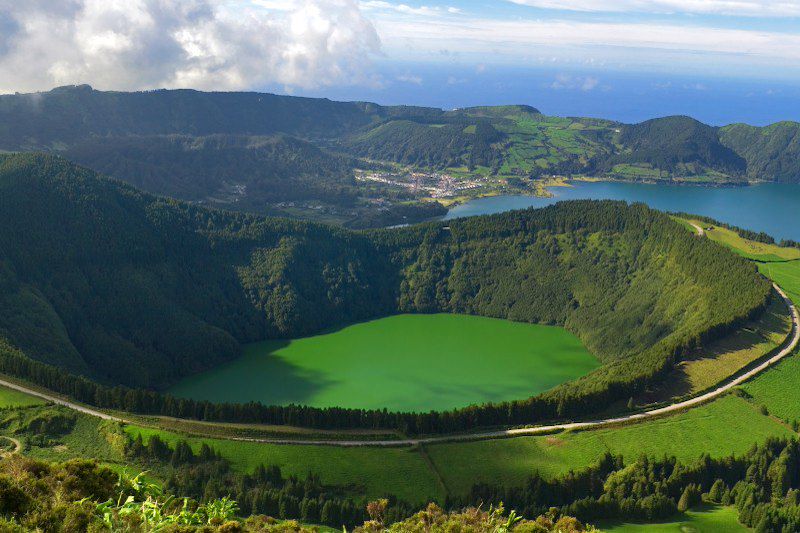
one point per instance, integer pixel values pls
(764, 485)
(206, 476)
(78, 495)
(772, 152)
(269, 169)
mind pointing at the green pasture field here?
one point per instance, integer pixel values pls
(375, 472)
(786, 274)
(403, 362)
(730, 425)
(705, 520)
(758, 251)
(779, 389)
(13, 398)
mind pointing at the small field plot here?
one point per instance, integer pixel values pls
(404, 362)
(786, 275)
(779, 389)
(13, 398)
(374, 472)
(705, 520)
(758, 251)
(730, 425)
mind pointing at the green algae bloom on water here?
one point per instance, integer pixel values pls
(403, 362)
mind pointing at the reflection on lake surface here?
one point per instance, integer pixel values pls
(773, 208)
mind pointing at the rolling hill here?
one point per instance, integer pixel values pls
(296, 157)
(675, 146)
(772, 152)
(256, 171)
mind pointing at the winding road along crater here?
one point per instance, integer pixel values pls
(788, 348)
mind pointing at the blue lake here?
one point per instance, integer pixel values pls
(772, 208)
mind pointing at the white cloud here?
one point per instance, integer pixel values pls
(566, 81)
(743, 8)
(136, 44)
(410, 78)
(589, 83)
(405, 9)
(276, 5)
(516, 40)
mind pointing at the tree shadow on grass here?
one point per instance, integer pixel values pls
(682, 522)
(729, 353)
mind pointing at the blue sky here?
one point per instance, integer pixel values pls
(719, 60)
(746, 38)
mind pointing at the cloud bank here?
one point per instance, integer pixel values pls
(204, 44)
(740, 8)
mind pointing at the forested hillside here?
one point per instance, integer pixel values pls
(106, 281)
(255, 171)
(676, 146)
(457, 143)
(69, 115)
(772, 152)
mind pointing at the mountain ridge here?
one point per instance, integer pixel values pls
(361, 164)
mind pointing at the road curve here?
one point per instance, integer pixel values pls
(789, 347)
(537, 430)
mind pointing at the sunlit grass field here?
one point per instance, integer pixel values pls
(375, 472)
(730, 425)
(705, 520)
(779, 389)
(751, 249)
(404, 362)
(12, 398)
(785, 274)
(720, 359)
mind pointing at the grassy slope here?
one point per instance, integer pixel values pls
(375, 472)
(786, 274)
(403, 362)
(758, 251)
(778, 389)
(722, 358)
(12, 398)
(729, 425)
(705, 520)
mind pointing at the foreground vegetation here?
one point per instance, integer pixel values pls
(81, 496)
(760, 482)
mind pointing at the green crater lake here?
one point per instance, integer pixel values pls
(403, 362)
